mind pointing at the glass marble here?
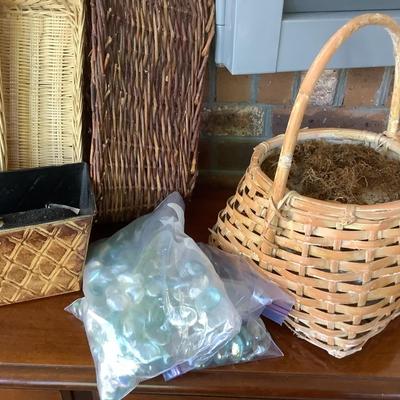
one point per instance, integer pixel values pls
(236, 348)
(155, 286)
(182, 316)
(118, 268)
(116, 300)
(200, 282)
(160, 336)
(133, 286)
(95, 282)
(129, 279)
(155, 317)
(194, 292)
(92, 264)
(180, 292)
(135, 294)
(221, 357)
(208, 299)
(133, 324)
(256, 330)
(247, 338)
(193, 269)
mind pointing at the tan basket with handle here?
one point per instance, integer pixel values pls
(341, 261)
(41, 53)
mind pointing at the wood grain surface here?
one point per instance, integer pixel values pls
(41, 346)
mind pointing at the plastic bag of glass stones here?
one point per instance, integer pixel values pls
(152, 301)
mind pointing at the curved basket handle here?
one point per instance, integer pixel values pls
(307, 86)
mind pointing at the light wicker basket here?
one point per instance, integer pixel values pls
(340, 261)
(41, 45)
(148, 73)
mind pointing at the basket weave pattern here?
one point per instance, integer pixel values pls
(43, 260)
(148, 70)
(340, 261)
(41, 44)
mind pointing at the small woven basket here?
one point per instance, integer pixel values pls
(148, 72)
(41, 46)
(340, 261)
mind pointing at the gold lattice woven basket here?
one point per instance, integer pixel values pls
(340, 261)
(148, 73)
(45, 221)
(41, 44)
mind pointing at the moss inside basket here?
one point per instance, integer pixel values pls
(347, 173)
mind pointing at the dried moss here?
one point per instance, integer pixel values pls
(347, 173)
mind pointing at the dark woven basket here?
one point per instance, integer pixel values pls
(148, 64)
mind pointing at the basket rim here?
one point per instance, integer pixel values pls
(378, 139)
(56, 222)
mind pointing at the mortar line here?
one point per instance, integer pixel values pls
(212, 85)
(295, 85)
(340, 88)
(255, 79)
(384, 88)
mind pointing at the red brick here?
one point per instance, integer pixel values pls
(275, 88)
(362, 85)
(232, 88)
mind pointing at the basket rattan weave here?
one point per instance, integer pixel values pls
(148, 72)
(341, 261)
(41, 44)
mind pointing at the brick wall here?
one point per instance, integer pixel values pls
(241, 111)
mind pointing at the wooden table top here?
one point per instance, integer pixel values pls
(42, 346)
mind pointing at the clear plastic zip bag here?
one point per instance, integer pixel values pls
(247, 287)
(152, 301)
